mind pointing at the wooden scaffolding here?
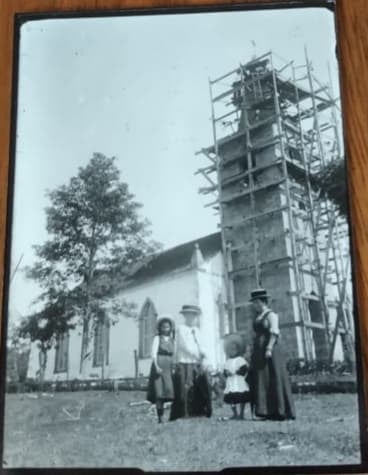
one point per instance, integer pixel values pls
(274, 127)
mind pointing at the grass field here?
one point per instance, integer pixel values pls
(46, 432)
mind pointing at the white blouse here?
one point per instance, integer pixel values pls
(156, 344)
(235, 383)
(188, 344)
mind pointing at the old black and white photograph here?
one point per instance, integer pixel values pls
(180, 282)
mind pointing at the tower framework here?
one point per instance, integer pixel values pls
(275, 126)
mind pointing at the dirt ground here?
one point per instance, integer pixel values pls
(100, 429)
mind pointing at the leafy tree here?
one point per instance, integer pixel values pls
(54, 319)
(96, 236)
(18, 350)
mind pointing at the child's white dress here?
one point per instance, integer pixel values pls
(236, 389)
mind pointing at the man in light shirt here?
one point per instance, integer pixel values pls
(192, 389)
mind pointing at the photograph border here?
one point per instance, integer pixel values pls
(356, 252)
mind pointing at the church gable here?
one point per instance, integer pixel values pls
(174, 259)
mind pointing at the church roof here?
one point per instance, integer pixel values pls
(177, 257)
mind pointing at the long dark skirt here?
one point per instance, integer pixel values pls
(192, 392)
(161, 386)
(270, 385)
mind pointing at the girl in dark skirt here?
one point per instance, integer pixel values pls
(236, 390)
(160, 385)
(270, 385)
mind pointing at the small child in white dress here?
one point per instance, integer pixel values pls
(236, 391)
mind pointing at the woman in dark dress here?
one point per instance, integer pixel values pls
(270, 385)
(160, 385)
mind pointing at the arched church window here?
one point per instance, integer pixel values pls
(147, 328)
(101, 343)
(61, 353)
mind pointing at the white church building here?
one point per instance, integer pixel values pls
(191, 273)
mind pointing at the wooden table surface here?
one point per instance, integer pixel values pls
(352, 24)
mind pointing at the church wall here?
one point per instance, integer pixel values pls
(168, 293)
(211, 295)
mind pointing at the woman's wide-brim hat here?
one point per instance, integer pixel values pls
(190, 310)
(234, 338)
(165, 318)
(259, 294)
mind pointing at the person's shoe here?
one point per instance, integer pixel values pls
(277, 418)
(259, 418)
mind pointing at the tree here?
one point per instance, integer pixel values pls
(55, 317)
(18, 350)
(332, 182)
(96, 236)
(43, 327)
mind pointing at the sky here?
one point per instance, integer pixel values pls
(137, 88)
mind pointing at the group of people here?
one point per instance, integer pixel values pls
(178, 374)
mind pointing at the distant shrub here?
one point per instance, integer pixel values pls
(300, 367)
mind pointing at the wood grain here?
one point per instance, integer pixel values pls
(352, 24)
(352, 27)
